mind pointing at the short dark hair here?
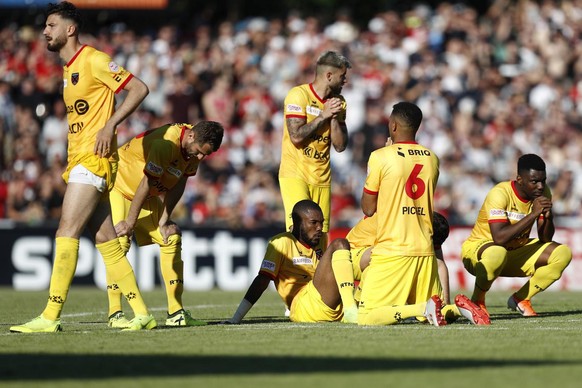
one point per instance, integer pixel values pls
(301, 208)
(210, 132)
(440, 229)
(409, 113)
(530, 162)
(66, 10)
(333, 59)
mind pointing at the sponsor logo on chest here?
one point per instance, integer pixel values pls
(302, 260)
(313, 110)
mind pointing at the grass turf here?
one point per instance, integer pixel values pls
(269, 351)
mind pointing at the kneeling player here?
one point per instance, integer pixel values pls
(362, 237)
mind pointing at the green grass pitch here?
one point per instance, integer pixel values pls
(269, 351)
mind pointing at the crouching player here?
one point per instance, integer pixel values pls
(499, 244)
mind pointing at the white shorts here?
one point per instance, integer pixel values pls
(80, 174)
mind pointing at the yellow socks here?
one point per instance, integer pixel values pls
(173, 272)
(488, 269)
(113, 291)
(545, 276)
(389, 315)
(341, 263)
(65, 264)
(120, 272)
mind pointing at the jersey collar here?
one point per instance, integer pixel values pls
(76, 55)
(516, 193)
(406, 142)
(315, 93)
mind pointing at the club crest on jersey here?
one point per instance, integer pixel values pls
(74, 78)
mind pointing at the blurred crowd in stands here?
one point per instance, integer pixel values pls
(492, 86)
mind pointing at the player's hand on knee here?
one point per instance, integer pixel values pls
(123, 229)
(168, 229)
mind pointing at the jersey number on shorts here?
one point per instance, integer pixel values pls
(415, 187)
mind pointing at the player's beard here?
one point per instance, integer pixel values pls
(56, 44)
(304, 236)
(336, 90)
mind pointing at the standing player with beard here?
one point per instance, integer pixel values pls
(91, 80)
(315, 116)
(499, 244)
(310, 276)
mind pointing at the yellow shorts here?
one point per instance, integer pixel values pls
(399, 280)
(294, 190)
(102, 167)
(520, 262)
(146, 230)
(307, 306)
(357, 254)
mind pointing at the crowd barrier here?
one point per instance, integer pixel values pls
(223, 259)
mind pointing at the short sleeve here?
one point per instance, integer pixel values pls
(496, 204)
(372, 184)
(108, 72)
(295, 104)
(274, 257)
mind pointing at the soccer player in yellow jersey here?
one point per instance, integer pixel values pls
(362, 238)
(315, 282)
(499, 244)
(315, 116)
(153, 169)
(90, 81)
(401, 280)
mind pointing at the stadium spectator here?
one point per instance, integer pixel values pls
(508, 50)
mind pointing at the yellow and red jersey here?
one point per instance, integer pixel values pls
(309, 163)
(90, 81)
(403, 176)
(503, 204)
(156, 153)
(290, 264)
(363, 234)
